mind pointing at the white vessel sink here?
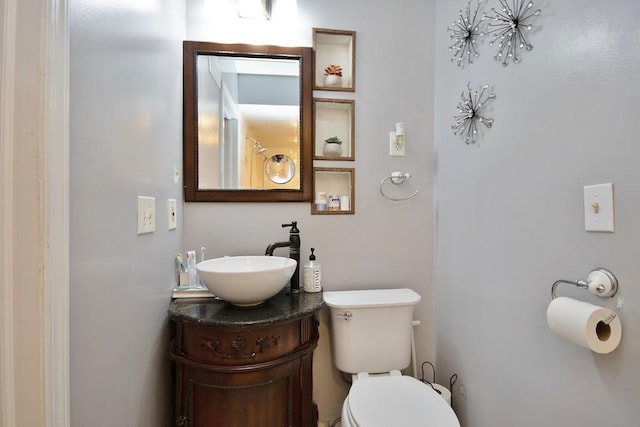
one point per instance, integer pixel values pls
(246, 280)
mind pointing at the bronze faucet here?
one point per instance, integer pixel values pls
(294, 253)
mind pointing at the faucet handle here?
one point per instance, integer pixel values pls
(293, 225)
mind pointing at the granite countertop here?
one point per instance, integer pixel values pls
(213, 312)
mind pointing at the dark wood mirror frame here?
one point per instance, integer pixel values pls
(192, 193)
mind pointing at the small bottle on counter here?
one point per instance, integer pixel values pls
(312, 274)
(191, 268)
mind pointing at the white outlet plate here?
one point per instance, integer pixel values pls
(598, 208)
(396, 150)
(146, 214)
(172, 212)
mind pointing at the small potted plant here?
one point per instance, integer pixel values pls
(332, 147)
(333, 76)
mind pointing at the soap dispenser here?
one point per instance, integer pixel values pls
(312, 274)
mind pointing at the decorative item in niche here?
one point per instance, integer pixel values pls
(332, 147)
(464, 33)
(333, 76)
(507, 29)
(470, 109)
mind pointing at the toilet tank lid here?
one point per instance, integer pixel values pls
(371, 298)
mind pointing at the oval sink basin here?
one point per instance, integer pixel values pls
(246, 280)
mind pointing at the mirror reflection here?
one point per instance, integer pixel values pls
(246, 107)
(244, 123)
(280, 168)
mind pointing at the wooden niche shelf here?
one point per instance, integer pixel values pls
(336, 188)
(334, 48)
(334, 118)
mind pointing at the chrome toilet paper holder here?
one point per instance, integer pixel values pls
(600, 281)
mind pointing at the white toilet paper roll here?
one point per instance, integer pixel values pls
(584, 324)
(443, 391)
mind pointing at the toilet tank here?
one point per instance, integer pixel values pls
(371, 330)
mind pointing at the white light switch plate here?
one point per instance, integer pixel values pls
(598, 208)
(146, 214)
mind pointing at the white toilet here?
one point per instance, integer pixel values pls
(371, 338)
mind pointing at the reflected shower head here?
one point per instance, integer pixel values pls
(256, 144)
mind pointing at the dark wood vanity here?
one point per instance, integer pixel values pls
(245, 367)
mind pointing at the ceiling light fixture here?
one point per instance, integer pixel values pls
(255, 9)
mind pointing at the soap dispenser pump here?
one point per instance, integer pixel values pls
(312, 274)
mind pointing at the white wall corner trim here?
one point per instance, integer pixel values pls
(7, 79)
(56, 214)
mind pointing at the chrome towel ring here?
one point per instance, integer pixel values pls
(397, 178)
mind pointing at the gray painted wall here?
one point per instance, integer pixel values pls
(126, 93)
(510, 219)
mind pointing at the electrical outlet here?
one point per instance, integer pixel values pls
(172, 211)
(146, 214)
(395, 149)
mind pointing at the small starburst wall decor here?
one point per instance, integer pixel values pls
(508, 26)
(464, 34)
(471, 113)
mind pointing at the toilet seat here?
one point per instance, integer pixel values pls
(399, 401)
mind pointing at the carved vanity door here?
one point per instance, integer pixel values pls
(245, 377)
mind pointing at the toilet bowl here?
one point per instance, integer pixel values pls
(398, 401)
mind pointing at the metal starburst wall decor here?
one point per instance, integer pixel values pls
(464, 34)
(470, 113)
(508, 26)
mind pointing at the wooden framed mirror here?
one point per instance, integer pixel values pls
(244, 106)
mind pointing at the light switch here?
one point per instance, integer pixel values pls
(598, 208)
(172, 212)
(146, 214)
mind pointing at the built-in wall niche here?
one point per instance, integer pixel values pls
(334, 119)
(334, 191)
(334, 59)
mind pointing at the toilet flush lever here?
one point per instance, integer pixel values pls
(346, 315)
